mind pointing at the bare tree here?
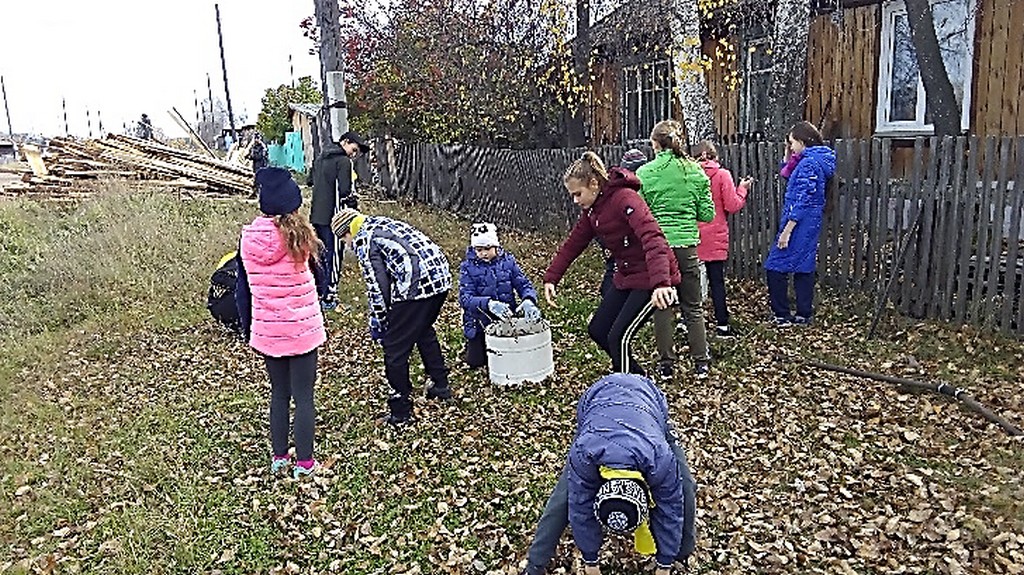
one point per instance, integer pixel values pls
(576, 130)
(787, 95)
(688, 72)
(215, 118)
(938, 89)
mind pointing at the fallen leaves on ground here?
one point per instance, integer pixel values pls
(162, 455)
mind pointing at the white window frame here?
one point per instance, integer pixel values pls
(890, 10)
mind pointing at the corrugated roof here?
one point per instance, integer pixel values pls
(307, 109)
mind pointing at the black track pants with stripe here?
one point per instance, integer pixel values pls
(619, 316)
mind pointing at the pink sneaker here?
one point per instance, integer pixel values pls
(304, 468)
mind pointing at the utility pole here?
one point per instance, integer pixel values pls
(209, 90)
(64, 106)
(88, 122)
(291, 70)
(99, 120)
(195, 96)
(332, 67)
(3, 87)
(224, 68)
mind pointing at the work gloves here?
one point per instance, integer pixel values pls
(529, 310)
(500, 309)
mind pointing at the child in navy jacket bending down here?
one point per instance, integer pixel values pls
(627, 474)
(489, 281)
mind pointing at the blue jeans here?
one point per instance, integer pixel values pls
(778, 293)
(555, 518)
(330, 261)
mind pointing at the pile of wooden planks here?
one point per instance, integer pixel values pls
(70, 163)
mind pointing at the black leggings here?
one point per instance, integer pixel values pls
(292, 377)
(716, 283)
(617, 319)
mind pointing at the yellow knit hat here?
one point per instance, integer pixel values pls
(342, 221)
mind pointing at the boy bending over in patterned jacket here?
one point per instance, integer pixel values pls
(407, 280)
(489, 281)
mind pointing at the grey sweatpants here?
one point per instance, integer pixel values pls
(292, 378)
(555, 518)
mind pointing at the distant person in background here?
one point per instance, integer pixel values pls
(145, 129)
(713, 248)
(258, 153)
(331, 178)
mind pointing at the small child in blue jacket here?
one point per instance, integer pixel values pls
(489, 281)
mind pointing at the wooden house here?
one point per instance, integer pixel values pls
(861, 74)
(304, 122)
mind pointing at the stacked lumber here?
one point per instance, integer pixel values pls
(71, 163)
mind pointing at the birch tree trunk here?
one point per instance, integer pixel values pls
(576, 130)
(938, 90)
(688, 73)
(334, 117)
(787, 95)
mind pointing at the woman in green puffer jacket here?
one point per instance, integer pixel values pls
(679, 195)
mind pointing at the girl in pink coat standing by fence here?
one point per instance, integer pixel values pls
(280, 311)
(713, 248)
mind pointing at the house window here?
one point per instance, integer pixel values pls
(901, 98)
(646, 97)
(756, 60)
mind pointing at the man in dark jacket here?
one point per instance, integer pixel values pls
(331, 177)
(258, 153)
(626, 474)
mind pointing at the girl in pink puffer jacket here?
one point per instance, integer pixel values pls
(280, 311)
(713, 248)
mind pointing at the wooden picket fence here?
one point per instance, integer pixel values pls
(944, 234)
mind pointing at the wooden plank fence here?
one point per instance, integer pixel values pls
(956, 218)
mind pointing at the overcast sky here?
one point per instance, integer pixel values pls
(126, 57)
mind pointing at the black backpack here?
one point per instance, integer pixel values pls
(221, 298)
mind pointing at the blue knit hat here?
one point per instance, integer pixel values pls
(279, 194)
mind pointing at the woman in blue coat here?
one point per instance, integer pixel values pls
(626, 474)
(489, 281)
(809, 168)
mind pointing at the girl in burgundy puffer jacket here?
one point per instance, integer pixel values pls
(646, 272)
(713, 248)
(280, 311)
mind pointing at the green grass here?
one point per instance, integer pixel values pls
(133, 430)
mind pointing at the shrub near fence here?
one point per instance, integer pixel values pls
(948, 234)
